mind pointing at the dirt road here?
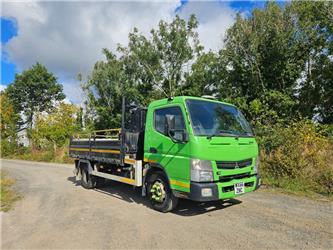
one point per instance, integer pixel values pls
(57, 213)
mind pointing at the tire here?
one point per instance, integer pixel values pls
(164, 202)
(87, 180)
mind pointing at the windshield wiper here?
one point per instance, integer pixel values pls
(214, 134)
(227, 133)
(219, 133)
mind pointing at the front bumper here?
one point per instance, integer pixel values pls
(222, 190)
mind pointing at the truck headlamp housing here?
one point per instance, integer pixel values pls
(201, 171)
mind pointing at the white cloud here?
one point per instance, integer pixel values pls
(214, 19)
(74, 92)
(2, 87)
(67, 37)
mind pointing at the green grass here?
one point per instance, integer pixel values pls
(60, 156)
(297, 187)
(8, 194)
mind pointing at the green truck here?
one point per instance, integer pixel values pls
(183, 147)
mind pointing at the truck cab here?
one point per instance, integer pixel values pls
(205, 148)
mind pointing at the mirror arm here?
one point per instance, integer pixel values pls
(175, 140)
(170, 136)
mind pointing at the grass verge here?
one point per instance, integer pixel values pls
(294, 188)
(59, 156)
(8, 194)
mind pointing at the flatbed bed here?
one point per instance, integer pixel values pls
(96, 149)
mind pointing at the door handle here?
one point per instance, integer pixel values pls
(153, 150)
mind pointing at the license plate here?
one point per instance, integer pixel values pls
(239, 188)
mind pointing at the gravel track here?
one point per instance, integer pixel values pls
(57, 213)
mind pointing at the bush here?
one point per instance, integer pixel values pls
(45, 155)
(298, 157)
(7, 148)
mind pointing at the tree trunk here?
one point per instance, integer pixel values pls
(30, 128)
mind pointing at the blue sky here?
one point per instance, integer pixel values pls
(8, 31)
(53, 33)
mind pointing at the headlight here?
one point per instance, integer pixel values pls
(256, 165)
(201, 171)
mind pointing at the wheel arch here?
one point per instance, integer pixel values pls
(85, 164)
(148, 170)
(156, 167)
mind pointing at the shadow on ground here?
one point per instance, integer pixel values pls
(133, 195)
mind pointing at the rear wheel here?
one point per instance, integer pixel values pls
(87, 180)
(160, 194)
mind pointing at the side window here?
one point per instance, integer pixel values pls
(160, 119)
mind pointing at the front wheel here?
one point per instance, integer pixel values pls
(160, 194)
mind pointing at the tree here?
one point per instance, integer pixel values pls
(148, 68)
(204, 76)
(104, 89)
(8, 127)
(177, 46)
(314, 22)
(34, 90)
(276, 65)
(158, 65)
(284, 53)
(55, 127)
(261, 53)
(79, 118)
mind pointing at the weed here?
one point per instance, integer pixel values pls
(8, 194)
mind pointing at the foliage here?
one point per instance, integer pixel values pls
(261, 54)
(34, 90)
(60, 155)
(314, 22)
(148, 68)
(55, 127)
(276, 64)
(8, 195)
(298, 153)
(50, 135)
(9, 119)
(282, 56)
(159, 63)
(273, 107)
(204, 76)
(104, 92)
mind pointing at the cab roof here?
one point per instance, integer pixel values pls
(181, 99)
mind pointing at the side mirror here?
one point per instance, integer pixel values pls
(170, 122)
(178, 136)
(185, 136)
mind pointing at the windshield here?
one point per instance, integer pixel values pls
(217, 119)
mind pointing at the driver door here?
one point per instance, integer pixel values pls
(173, 156)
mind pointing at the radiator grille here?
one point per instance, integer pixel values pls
(235, 176)
(233, 164)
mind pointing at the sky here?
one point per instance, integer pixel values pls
(68, 36)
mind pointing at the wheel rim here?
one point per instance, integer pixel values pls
(157, 192)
